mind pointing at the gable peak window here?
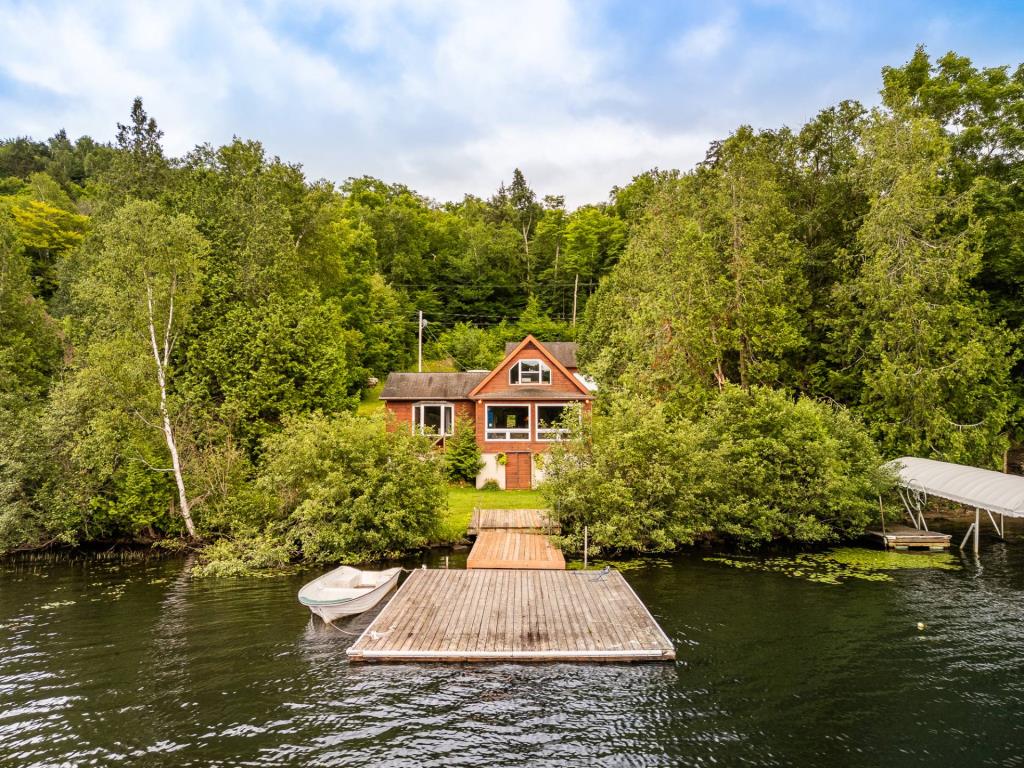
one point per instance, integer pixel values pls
(529, 372)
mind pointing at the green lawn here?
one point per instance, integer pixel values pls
(371, 403)
(462, 500)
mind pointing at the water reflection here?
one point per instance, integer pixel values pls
(137, 664)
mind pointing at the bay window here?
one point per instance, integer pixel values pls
(433, 419)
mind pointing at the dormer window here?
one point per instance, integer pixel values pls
(529, 372)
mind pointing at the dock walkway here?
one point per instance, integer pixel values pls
(515, 549)
(511, 519)
(513, 615)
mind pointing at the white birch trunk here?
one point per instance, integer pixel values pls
(161, 368)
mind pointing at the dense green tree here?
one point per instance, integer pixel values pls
(711, 289)
(351, 491)
(21, 156)
(935, 370)
(261, 364)
(757, 468)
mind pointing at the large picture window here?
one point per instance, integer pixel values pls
(529, 372)
(508, 422)
(549, 422)
(433, 418)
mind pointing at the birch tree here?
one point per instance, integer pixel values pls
(140, 282)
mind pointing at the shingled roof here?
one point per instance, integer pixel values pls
(431, 386)
(563, 351)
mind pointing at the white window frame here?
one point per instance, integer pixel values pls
(417, 424)
(543, 368)
(528, 429)
(542, 433)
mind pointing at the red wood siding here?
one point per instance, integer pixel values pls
(561, 389)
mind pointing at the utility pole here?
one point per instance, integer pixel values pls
(575, 291)
(419, 366)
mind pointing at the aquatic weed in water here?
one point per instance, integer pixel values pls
(835, 566)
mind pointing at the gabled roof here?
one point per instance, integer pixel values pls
(970, 486)
(431, 386)
(563, 351)
(555, 362)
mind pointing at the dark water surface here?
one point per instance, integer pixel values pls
(104, 664)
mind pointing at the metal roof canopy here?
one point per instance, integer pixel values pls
(995, 492)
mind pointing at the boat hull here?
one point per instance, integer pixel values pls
(332, 611)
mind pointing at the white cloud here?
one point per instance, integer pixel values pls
(445, 95)
(397, 84)
(706, 41)
(580, 158)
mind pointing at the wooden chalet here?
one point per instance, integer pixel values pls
(517, 408)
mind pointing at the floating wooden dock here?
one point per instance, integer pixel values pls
(511, 519)
(513, 615)
(905, 537)
(515, 549)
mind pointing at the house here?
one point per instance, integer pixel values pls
(516, 408)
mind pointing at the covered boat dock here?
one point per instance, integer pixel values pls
(983, 489)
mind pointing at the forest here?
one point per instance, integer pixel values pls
(185, 342)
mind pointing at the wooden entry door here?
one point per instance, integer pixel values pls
(518, 471)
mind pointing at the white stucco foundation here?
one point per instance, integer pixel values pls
(492, 470)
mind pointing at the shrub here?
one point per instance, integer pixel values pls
(332, 489)
(629, 476)
(243, 556)
(352, 491)
(462, 454)
(757, 468)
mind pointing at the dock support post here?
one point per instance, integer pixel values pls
(977, 528)
(967, 536)
(1000, 526)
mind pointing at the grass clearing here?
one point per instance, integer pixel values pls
(462, 500)
(371, 404)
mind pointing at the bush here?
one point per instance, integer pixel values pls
(352, 491)
(243, 556)
(462, 454)
(332, 489)
(629, 475)
(758, 467)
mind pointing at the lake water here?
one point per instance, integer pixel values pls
(106, 664)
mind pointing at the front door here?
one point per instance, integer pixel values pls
(518, 471)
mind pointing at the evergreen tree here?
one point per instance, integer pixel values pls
(462, 454)
(934, 369)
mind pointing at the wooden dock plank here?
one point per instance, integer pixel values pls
(905, 537)
(513, 615)
(514, 549)
(511, 519)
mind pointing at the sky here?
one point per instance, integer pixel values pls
(449, 96)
